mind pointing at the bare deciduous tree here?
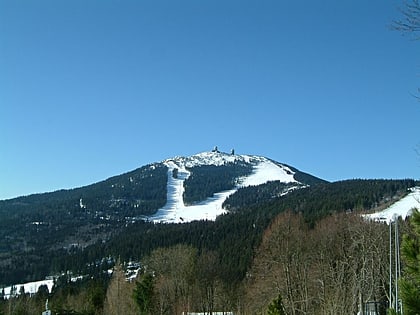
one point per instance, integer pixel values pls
(173, 270)
(119, 295)
(281, 267)
(410, 22)
(333, 268)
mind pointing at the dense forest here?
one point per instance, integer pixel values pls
(232, 246)
(206, 180)
(141, 190)
(41, 226)
(254, 195)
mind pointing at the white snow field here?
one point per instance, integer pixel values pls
(175, 211)
(30, 287)
(401, 208)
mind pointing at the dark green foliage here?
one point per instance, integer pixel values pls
(305, 178)
(97, 294)
(321, 200)
(175, 173)
(410, 283)
(276, 307)
(90, 292)
(141, 191)
(143, 294)
(205, 180)
(254, 195)
(42, 295)
(38, 229)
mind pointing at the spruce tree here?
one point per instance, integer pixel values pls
(410, 282)
(143, 294)
(276, 307)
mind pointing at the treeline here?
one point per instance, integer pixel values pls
(304, 178)
(143, 189)
(322, 199)
(318, 201)
(206, 180)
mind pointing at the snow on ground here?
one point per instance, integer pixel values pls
(268, 171)
(401, 208)
(30, 287)
(175, 210)
(211, 158)
(171, 212)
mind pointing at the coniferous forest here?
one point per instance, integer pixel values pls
(206, 180)
(308, 251)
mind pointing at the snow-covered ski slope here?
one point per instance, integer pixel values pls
(401, 208)
(175, 211)
(30, 288)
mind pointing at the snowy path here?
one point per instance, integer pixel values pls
(175, 190)
(175, 210)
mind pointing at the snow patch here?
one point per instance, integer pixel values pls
(175, 190)
(175, 211)
(401, 208)
(30, 287)
(266, 171)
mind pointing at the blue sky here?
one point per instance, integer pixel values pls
(92, 89)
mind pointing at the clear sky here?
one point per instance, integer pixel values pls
(94, 88)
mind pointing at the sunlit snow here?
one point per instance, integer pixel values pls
(401, 208)
(29, 288)
(266, 171)
(175, 210)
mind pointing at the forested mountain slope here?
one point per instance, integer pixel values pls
(84, 231)
(40, 227)
(232, 240)
(235, 235)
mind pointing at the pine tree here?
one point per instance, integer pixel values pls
(276, 307)
(410, 283)
(143, 294)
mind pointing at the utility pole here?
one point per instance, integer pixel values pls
(394, 266)
(396, 262)
(390, 264)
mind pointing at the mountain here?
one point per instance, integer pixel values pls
(225, 201)
(179, 189)
(162, 191)
(198, 185)
(212, 213)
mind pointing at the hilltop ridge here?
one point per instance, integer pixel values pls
(255, 170)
